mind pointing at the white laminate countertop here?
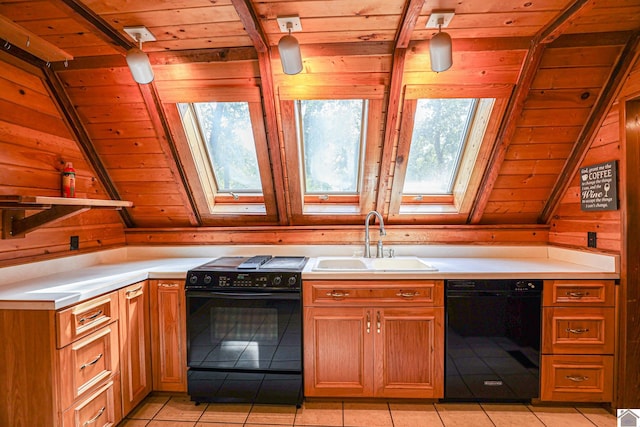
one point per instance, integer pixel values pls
(59, 283)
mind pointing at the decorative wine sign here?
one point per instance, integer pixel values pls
(599, 187)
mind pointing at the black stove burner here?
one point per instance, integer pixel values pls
(257, 272)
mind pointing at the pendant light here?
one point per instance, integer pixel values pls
(137, 60)
(440, 47)
(288, 46)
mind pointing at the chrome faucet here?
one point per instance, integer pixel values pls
(367, 241)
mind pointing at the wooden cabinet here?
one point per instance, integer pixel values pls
(168, 335)
(578, 339)
(380, 339)
(135, 347)
(61, 368)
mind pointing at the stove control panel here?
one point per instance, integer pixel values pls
(240, 280)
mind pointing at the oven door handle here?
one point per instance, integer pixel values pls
(244, 295)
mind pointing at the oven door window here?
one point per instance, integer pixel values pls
(244, 332)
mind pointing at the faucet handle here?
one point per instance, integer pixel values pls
(391, 252)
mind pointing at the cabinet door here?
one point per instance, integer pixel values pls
(135, 345)
(168, 335)
(409, 356)
(338, 359)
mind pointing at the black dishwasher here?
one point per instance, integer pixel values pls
(492, 340)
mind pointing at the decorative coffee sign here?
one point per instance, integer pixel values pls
(598, 187)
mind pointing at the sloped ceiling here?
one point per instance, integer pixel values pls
(563, 59)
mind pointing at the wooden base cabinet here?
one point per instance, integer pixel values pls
(578, 338)
(356, 349)
(61, 368)
(135, 344)
(168, 335)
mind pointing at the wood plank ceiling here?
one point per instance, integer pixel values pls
(564, 59)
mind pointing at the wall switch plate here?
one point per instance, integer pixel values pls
(591, 239)
(74, 243)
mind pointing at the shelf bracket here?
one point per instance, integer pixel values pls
(15, 224)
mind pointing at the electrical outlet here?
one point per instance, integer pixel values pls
(591, 239)
(74, 243)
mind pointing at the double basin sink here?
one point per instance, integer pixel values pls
(372, 264)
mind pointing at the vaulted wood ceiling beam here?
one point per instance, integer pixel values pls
(103, 30)
(597, 115)
(516, 103)
(403, 37)
(74, 123)
(161, 126)
(99, 28)
(257, 35)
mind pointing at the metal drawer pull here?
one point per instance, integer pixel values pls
(93, 316)
(93, 362)
(368, 322)
(408, 294)
(337, 294)
(578, 330)
(133, 291)
(577, 294)
(577, 379)
(379, 324)
(168, 285)
(94, 419)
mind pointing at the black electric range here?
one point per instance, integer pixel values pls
(244, 330)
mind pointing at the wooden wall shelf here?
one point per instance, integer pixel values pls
(16, 224)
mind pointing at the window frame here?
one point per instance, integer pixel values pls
(473, 159)
(214, 207)
(331, 207)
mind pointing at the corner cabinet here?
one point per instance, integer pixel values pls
(135, 344)
(374, 339)
(169, 335)
(578, 341)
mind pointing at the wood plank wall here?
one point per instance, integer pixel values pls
(561, 96)
(35, 143)
(569, 225)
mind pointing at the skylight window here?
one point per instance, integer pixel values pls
(440, 131)
(226, 131)
(331, 136)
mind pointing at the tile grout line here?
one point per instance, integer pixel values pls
(488, 416)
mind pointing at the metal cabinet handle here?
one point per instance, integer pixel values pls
(577, 378)
(577, 294)
(337, 294)
(378, 323)
(133, 291)
(91, 317)
(168, 285)
(368, 322)
(93, 362)
(94, 419)
(578, 330)
(410, 294)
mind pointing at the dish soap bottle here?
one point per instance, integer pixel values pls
(69, 181)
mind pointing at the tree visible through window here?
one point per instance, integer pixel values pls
(227, 134)
(439, 134)
(331, 134)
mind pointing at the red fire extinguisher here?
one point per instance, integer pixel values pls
(69, 181)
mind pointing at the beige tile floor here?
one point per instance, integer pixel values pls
(160, 410)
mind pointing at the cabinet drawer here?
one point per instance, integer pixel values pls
(587, 330)
(428, 292)
(577, 378)
(87, 362)
(82, 319)
(98, 410)
(578, 293)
